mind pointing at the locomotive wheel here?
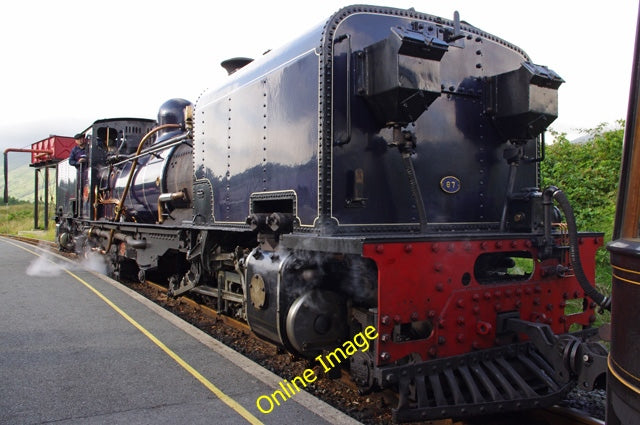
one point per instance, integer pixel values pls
(189, 281)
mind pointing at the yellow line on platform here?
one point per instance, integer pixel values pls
(204, 381)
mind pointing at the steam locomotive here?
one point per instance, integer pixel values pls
(381, 170)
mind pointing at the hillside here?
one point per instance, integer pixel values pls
(22, 180)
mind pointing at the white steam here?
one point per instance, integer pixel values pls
(47, 265)
(44, 266)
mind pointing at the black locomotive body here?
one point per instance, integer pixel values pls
(323, 116)
(381, 170)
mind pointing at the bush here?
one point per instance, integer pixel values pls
(588, 172)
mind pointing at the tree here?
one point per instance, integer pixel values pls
(15, 201)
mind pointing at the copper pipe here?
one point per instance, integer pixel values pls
(40, 151)
(134, 164)
(95, 203)
(166, 197)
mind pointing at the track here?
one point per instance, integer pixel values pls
(552, 416)
(339, 391)
(565, 416)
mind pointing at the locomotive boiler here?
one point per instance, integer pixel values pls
(381, 170)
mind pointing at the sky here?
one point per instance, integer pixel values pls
(66, 63)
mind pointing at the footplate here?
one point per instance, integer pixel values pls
(514, 377)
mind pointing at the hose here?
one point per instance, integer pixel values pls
(603, 301)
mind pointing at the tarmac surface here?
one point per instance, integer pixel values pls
(79, 348)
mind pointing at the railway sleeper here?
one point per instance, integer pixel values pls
(530, 374)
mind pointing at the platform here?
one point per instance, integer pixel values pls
(77, 347)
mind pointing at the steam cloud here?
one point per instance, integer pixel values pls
(47, 265)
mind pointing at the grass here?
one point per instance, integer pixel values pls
(18, 220)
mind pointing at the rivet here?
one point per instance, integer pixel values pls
(483, 328)
(408, 248)
(379, 249)
(385, 320)
(385, 357)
